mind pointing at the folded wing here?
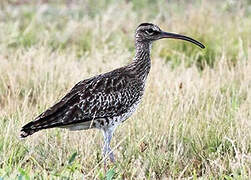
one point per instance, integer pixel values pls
(89, 100)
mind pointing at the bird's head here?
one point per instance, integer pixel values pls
(148, 32)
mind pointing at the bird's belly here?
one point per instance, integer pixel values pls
(106, 122)
(79, 126)
(115, 120)
(126, 115)
(130, 111)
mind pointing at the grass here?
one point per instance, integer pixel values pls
(194, 121)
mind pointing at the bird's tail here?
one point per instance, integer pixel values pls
(57, 116)
(28, 130)
(37, 125)
(44, 121)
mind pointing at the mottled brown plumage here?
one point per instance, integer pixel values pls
(106, 100)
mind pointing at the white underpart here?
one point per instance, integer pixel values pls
(112, 123)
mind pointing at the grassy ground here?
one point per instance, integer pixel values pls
(194, 121)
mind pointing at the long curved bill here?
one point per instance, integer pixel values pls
(178, 36)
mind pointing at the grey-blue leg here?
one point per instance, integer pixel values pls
(108, 132)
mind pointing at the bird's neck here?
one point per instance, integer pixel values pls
(142, 61)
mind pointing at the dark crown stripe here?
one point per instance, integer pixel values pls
(145, 24)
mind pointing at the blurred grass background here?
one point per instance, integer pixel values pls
(194, 121)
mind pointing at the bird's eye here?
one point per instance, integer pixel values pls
(149, 31)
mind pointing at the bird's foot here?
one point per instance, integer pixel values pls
(108, 152)
(111, 156)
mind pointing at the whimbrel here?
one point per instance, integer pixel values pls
(106, 100)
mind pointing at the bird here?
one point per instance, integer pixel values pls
(105, 101)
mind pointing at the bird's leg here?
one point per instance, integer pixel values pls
(108, 132)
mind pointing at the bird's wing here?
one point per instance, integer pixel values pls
(98, 97)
